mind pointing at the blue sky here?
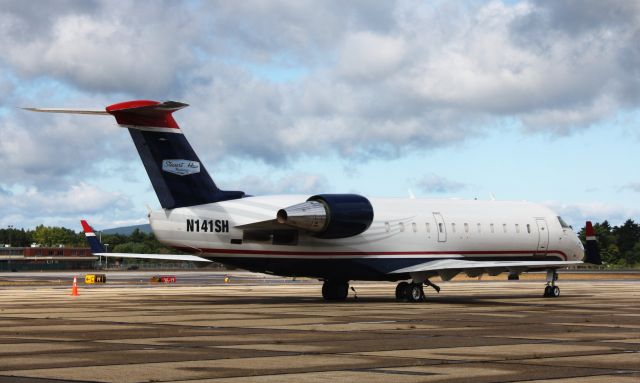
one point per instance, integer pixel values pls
(524, 100)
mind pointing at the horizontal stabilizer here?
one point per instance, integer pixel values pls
(67, 111)
(162, 257)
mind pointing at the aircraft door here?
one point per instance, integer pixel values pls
(543, 236)
(440, 227)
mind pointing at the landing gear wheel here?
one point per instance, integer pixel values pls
(401, 291)
(551, 292)
(335, 290)
(414, 292)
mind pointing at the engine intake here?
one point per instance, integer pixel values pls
(330, 215)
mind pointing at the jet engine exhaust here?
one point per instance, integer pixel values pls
(311, 216)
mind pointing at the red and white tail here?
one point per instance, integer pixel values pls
(592, 250)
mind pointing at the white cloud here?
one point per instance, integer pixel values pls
(577, 214)
(33, 206)
(370, 56)
(129, 47)
(378, 78)
(632, 186)
(294, 183)
(433, 183)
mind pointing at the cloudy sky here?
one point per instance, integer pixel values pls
(524, 100)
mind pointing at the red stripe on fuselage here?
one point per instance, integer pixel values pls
(366, 253)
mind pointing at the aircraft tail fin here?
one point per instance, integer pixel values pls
(178, 177)
(592, 249)
(90, 235)
(176, 173)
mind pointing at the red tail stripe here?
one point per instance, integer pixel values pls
(86, 227)
(127, 113)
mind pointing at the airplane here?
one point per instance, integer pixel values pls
(338, 238)
(97, 249)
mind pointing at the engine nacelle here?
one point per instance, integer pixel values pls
(330, 215)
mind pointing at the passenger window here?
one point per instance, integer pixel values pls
(428, 227)
(401, 226)
(479, 228)
(466, 227)
(517, 228)
(504, 227)
(528, 228)
(453, 227)
(415, 227)
(387, 227)
(491, 228)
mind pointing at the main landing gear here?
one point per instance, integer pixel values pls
(413, 292)
(335, 290)
(551, 290)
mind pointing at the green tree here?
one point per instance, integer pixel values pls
(53, 236)
(632, 257)
(627, 235)
(133, 247)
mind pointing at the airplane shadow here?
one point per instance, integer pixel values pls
(476, 300)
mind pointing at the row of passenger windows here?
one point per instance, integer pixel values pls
(465, 227)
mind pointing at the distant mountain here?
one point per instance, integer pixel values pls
(127, 230)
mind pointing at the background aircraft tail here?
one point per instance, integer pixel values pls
(90, 235)
(592, 250)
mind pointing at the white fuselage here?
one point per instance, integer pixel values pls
(419, 229)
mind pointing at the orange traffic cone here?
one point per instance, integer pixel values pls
(74, 289)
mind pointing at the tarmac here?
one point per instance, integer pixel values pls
(266, 329)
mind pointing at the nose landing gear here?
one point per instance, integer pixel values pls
(412, 292)
(551, 290)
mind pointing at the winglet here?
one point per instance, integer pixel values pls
(592, 250)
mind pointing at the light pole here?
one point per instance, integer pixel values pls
(106, 259)
(10, 230)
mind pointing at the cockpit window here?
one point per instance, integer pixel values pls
(563, 223)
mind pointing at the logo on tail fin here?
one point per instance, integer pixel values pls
(181, 167)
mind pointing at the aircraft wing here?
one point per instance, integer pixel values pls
(491, 267)
(164, 257)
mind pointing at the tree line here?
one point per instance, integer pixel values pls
(619, 245)
(54, 236)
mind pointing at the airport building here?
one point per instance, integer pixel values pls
(46, 258)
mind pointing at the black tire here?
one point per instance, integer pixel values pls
(401, 291)
(335, 290)
(326, 291)
(415, 293)
(555, 291)
(342, 291)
